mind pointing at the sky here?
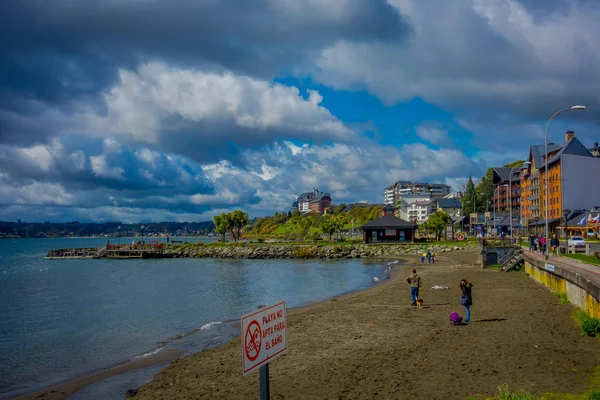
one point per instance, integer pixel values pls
(177, 110)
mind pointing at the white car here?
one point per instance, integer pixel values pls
(576, 241)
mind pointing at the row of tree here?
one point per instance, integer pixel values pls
(230, 222)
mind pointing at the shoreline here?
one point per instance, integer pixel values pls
(67, 388)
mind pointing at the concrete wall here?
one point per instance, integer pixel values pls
(580, 186)
(580, 291)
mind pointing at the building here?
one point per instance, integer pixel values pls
(389, 228)
(405, 201)
(595, 150)
(511, 177)
(315, 202)
(450, 206)
(572, 181)
(403, 188)
(419, 211)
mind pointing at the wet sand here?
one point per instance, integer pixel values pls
(372, 344)
(64, 390)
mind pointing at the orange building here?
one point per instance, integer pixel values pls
(571, 167)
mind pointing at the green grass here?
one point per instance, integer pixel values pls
(562, 297)
(584, 258)
(494, 266)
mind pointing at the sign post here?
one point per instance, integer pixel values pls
(264, 338)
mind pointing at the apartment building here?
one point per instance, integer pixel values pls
(507, 180)
(572, 181)
(405, 201)
(315, 201)
(402, 188)
(420, 211)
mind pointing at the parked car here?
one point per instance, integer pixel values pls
(576, 241)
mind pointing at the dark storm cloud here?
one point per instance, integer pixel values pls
(56, 49)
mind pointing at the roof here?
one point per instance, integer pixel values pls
(423, 203)
(538, 150)
(573, 147)
(449, 203)
(313, 197)
(504, 174)
(388, 222)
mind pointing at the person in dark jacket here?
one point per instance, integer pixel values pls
(466, 299)
(554, 243)
(414, 281)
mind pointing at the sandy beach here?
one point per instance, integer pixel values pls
(372, 344)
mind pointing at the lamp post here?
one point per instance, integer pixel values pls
(546, 167)
(566, 213)
(495, 200)
(510, 195)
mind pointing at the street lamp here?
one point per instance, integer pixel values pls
(510, 195)
(546, 162)
(495, 201)
(566, 213)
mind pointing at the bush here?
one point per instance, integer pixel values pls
(336, 249)
(562, 297)
(593, 395)
(260, 240)
(506, 394)
(590, 327)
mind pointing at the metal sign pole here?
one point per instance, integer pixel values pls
(265, 390)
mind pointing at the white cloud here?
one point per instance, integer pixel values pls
(433, 135)
(101, 168)
(144, 103)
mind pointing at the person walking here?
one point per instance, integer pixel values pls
(543, 244)
(554, 243)
(414, 281)
(423, 258)
(428, 255)
(433, 256)
(466, 299)
(532, 242)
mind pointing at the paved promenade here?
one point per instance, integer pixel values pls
(590, 272)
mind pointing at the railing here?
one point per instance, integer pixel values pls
(101, 252)
(507, 256)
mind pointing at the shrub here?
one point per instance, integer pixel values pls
(506, 394)
(596, 254)
(590, 327)
(562, 297)
(593, 394)
(336, 249)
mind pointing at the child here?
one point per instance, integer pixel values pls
(423, 258)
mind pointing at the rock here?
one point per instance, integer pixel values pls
(131, 393)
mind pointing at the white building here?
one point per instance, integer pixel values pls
(421, 210)
(405, 202)
(400, 188)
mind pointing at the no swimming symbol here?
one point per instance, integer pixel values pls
(253, 340)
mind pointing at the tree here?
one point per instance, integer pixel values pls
(469, 200)
(340, 209)
(338, 222)
(237, 220)
(486, 189)
(517, 163)
(327, 226)
(437, 223)
(304, 223)
(221, 224)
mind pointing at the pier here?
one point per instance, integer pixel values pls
(139, 250)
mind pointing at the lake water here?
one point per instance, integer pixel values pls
(60, 319)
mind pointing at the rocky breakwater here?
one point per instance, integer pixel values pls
(287, 251)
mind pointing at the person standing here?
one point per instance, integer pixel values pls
(543, 244)
(532, 242)
(428, 255)
(554, 243)
(466, 299)
(414, 281)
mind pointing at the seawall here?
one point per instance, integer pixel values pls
(317, 251)
(581, 289)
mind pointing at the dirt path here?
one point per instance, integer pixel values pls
(374, 345)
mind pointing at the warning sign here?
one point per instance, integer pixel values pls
(263, 336)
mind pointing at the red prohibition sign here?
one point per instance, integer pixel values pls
(253, 341)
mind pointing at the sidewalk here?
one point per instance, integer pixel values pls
(590, 272)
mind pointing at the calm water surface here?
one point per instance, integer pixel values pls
(61, 319)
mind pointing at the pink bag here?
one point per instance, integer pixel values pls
(455, 318)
